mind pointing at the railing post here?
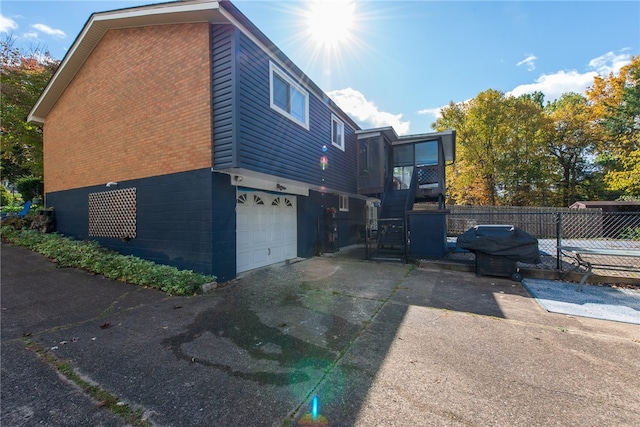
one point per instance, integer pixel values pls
(558, 240)
(406, 237)
(367, 230)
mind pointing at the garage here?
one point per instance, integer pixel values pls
(266, 229)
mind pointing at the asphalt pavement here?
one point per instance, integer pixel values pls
(374, 344)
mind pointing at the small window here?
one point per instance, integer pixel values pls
(344, 203)
(287, 97)
(337, 132)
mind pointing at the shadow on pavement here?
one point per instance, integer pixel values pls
(377, 343)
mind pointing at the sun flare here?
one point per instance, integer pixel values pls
(330, 22)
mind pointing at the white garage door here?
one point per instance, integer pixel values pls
(266, 229)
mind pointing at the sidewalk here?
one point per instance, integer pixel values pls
(379, 344)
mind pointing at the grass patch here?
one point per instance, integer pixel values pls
(92, 257)
(106, 400)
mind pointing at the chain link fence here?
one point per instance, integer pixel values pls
(586, 228)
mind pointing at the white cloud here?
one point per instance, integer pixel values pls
(554, 85)
(355, 104)
(529, 61)
(436, 113)
(610, 62)
(7, 24)
(31, 35)
(50, 31)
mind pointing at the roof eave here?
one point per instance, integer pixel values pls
(241, 21)
(221, 11)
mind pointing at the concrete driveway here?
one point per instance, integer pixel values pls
(379, 344)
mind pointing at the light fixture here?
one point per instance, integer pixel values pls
(237, 178)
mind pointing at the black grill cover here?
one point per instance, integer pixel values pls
(501, 240)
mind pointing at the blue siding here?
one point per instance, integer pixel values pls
(310, 211)
(312, 222)
(223, 92)
(351, 224)
(185, 219)
(223, 233)
(270, 143)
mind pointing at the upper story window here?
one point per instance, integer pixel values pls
(337, 132)
(287, 97)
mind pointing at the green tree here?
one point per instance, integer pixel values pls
(463, 186)
(24, 77)
(572, 142)
(501, 157)
(524, 167)
(616, 103)
(480, 125)
(30, 186)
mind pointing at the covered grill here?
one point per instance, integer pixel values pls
(498, 249)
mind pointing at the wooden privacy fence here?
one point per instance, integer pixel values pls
(541, 222)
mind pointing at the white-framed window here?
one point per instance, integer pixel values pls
(287, 97)
(344, 203)
(337, 132)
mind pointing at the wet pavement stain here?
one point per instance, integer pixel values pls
(339, 332)
(242, 326)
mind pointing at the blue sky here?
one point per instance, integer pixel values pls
(398, 62)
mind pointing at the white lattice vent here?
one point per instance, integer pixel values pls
(113, 214)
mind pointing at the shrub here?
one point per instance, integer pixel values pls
(14, 222)
(30, 186)
(90, 256)
(11, 209)
(630, 233)
(6, 198)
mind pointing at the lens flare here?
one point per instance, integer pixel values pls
(314, 418)
(330, 22)
(315, 407)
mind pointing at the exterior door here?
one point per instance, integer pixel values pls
(266, 229)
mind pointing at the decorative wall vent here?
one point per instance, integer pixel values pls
(113, 214)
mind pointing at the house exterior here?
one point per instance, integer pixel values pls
(608, 206)
(179, 133)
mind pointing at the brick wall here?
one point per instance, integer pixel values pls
(139, 107)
